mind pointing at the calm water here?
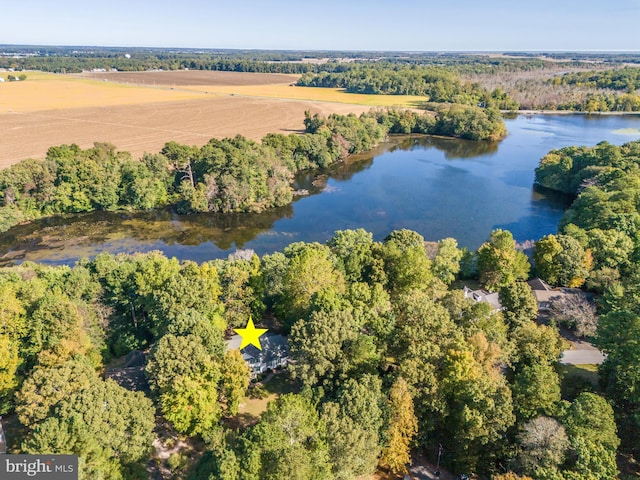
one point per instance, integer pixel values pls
(438, 187)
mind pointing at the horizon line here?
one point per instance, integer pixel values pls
(320, 50)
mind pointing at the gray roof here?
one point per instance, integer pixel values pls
(538, 284)
(545, 294)
(492, 298)
(273, 346)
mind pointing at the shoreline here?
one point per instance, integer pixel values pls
(566, 112)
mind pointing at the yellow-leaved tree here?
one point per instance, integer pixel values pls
(403, 426)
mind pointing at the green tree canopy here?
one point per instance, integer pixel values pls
(520, 305)
(290, 442)
(561, 260)
(499, 263)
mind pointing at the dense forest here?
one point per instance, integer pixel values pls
(439, 84)
(388, 353)
(76, 59)
(229, 175)
(582, 90)
(387, 357)
(604, 220)
(627, 79)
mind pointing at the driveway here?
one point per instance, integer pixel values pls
(582, 353)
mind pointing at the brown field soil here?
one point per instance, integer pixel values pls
(147, 127)
(48, 91)
(49, 109)
(248, 84)
(191, 77)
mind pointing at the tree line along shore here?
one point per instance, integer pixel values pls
(229, 175)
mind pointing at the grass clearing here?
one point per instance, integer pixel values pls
(577, 378)
(587, 372)
(251, 408)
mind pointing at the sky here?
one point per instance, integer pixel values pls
(405, 25)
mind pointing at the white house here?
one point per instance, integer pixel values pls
(274, 353)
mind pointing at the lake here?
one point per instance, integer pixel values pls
(436, 186)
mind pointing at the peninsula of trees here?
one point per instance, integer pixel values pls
(229, 175)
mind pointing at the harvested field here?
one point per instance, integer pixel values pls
(147, 127)
(192, 77)
(337, 95)
(269, 85)
(49, 109)
(48, 91)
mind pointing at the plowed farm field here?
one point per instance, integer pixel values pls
(192, 78)
(140, 111)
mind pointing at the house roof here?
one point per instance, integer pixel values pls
(273, 346)
(545, 294)
(492, 298)
(538, 284)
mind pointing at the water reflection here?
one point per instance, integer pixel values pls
(66, 238)
(62, 239)
(453, 148)
(439, 187)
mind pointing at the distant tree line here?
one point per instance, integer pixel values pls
(441, 85)
(229, 175)
(76, 59)
(624, 79)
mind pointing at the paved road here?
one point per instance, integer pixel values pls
(581, 357)
(581, 353)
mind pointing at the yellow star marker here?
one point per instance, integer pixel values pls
(250, 335)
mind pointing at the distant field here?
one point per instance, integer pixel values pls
(250, 84)
(48, 91)
(191, 77)
(49, 109)
(317, 94)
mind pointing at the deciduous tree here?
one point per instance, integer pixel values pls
(290, 441)
(499, 263)
(446, 264)
(544, 444)
(403, 426)
(520, 305)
